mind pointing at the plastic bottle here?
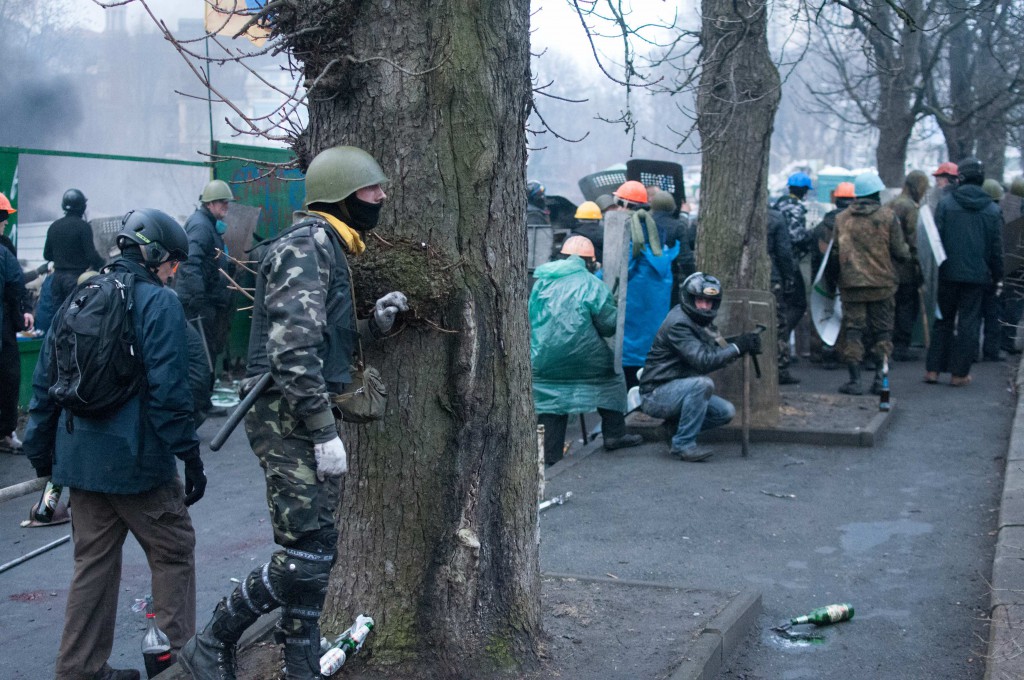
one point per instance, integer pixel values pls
(156, 646)
(824, 616)
(47, 502)
(883, 395)
(347, 644)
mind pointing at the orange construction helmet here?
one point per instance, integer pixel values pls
(578, 245)
(632, 191)
(844, 190)
(5, 205)
(948, 169)
(588, 210)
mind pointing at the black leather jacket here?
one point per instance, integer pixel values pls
(683, 349)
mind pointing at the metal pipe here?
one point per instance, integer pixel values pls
(557, 500)
(23, 489)
(38, 551)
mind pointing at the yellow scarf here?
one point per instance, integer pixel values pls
(350, 236)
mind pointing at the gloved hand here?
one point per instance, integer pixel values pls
(748, 343)
(331, 460)
(387, 308)
(44, 268)
(195, 479)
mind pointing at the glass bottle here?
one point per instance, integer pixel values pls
(824, 616)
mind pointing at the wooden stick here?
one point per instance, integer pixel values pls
(234, 284)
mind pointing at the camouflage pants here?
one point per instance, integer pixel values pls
(867, 325)
(299, 503)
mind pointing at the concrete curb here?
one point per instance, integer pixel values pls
(1003, 660)
(720, 638)
(706, 654)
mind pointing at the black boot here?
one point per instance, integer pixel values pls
(853, 387)
(210, 655)
(301, 638)
(876, 384)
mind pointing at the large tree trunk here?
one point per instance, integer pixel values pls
(736, 102)
(438, 519)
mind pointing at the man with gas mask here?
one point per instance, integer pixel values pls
(571, 314)
(674, 384)
(304, 334)
(202, 289)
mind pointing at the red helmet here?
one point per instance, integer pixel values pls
(947, 169)
(844, 190)
(632, 191)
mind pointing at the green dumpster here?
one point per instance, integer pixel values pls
(28, 348)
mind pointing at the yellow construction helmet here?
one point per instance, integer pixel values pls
(588, 210)
(578, 245)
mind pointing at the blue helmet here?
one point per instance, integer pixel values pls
(867, 183)
(800, 179)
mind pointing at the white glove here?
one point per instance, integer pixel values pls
(387, 308)
(331, 460)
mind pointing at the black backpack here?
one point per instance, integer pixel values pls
(96, 364)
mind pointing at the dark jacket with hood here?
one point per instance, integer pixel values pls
(780, 249)
(134, 449)
(198, 281)
(683, 348)
(970, 225)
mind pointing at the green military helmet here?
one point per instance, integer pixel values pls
(1017, 186)
(993, 188)
(216, 190)
(338, 172)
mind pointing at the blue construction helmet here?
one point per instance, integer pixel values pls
(867, 183)
(800, 179)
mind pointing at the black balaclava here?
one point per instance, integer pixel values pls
(799, 192)
(359, 215)
(363, 216)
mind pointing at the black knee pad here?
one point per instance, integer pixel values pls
(300, 577)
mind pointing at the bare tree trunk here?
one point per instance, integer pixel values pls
(992, 148)
(736, 103)
(439, 513)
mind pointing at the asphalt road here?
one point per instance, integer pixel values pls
(232, 537)
(903, 531)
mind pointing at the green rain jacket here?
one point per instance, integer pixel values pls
(571, 312)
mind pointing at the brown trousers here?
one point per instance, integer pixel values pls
(100, 522)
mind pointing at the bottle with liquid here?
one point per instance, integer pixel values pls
(347, 644)
(824, 616)
(883, 395)
(156, 646)
(47, 502)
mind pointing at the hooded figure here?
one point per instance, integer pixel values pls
(908, 298)
(970, 225)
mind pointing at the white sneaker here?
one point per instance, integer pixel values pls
(10, 442)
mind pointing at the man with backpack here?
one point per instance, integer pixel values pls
(304, 336)
(110, 413)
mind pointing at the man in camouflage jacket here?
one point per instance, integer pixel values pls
(867, 240)
(304, 333)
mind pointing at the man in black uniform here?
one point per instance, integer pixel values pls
(70, 247)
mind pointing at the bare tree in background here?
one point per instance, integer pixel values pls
(876, 56)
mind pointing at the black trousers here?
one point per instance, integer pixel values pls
(954, 344)
(10, 383)
(613, 426)
(908, 304)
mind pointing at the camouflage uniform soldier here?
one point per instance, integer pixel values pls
(908, 298)
(867, 239)
(304, 333)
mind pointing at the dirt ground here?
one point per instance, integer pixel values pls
(592, 629)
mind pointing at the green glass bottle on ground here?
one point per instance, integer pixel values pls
(824, 616)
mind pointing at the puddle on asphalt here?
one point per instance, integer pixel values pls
(860, 537)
